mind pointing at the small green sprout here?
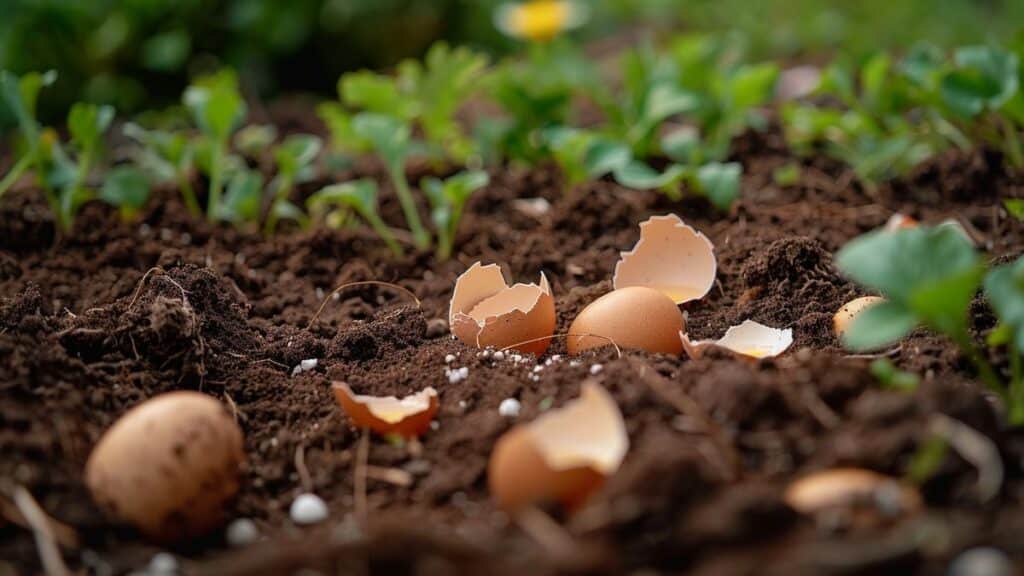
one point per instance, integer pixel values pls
(390, 139)
(927, 460)
(21, 96)
(166, 157)
(218, 108)
(889, 376)
(448, 198)
(584, 155)
(254, 139)
(929, 276)
(243, 198)
(359, 196)
(716, 181)
(295, 157)
(127, 188)
(1015, 206)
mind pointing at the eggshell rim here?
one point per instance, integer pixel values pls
(467, 328)
(695, 348)
(386, 422)
(683, 226)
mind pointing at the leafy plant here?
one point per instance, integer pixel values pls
(929, 276)
(167, 157)
(889, 376)
(218, 108)
(447, 199)
(294, 157)
(127, 188)
(359, 196)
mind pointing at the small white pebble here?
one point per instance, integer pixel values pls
(499, 355)
(486, 353)
(537, 369)
(449, 359)
(516, 357)
(308, 509)
(981, 561)
(556, 357)
(509, 408)
(574, 363)
(596, 369)
(242, 532)
(458, 375)
(534, 377)
(163, 563)
(462, 403)
(434, 425)
(319, 293)
(308, 364)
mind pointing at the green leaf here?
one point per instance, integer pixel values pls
(879, 325)
(786, 175)
(460, 187)
(216, 104)
(87, 123)
(254, 139)
(985, 78)
(720, 183)
(682, 146)
(285, 210)
(927, 460)
(892, 377)
(604, 157)
(166, 52)
(1015, 206)
(642, 177)
(375, 93)
(296, 153)
(752, 85)
(666, 100)
(243, 197)
(900, 263)
(21, 96)
(360, 195)
(1004, 288)
(388, 135)
(127, 188)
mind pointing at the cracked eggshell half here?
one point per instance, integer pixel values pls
(636, 317)
(386, 415)
(671, 257)
(747, 339)
(169, 466)
(845, 316)
(486, 311)
(563, 456)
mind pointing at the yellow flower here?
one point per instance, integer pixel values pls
(539, 20)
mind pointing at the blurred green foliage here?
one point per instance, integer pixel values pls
(135, 53)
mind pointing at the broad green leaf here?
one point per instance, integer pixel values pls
(21, 96)
(360, 195)
(664, 101)
(642, 177)
(1015, 206)
(892, 377)
(254, 139)
(898, 264)
(297, 152)
(166, 52)
(285, 210)
(125, 187)
(943, 303)
(874, 77)
(682, 145)
(339, 124)
(752, 85)
(375, 93)
(985, 78)
(389, 135)
(243, 197)
(216, 104)
(604, 157)
(1004, 288)
(720, 183)
(459, 187)
(878, 326)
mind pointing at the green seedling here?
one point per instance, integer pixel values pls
(217, 108)
(390, 139)
(929, 276)
(359, 196)
(243, 197)
(1015, 207)
(584, 155)
(253, 140)
(716, 181)
(21, 96)
(295, 157)
(447, 199)
(127, 188)
(983, 93)
(166, 157)
(927, 460)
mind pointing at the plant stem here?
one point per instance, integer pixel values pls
(1016, 393)
(188, 194)
(382, 230)
(420, 235)
(1013, 146)
(985, 371)
(213, 202)
(16, 171)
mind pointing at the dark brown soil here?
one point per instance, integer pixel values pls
(93, 323)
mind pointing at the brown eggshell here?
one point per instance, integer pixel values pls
(408, 417)
(169, 466)
(636, 317)
(840, 487)
(842, 319)
(486, 311)
(671, 257)
(561, 457)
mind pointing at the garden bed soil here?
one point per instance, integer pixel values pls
(93, 323)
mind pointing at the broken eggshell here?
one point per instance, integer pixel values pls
(844, 316)
(486, 311)
(747, 339)
(849, 487)
(388, 415)
(635, 317)
(169, 466)
(670, 257)
(563, 456)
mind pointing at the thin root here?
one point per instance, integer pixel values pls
(300, 467)
(327, 298)
(974, 447)
(39, 522)
(565, 335)
(555, 540)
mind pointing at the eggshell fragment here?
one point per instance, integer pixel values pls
(840, 487)
(563, 456)
(409, 416)
(636, 317)
(486, 311)
(747, 339)
(845, 315)
(168, 466)
(900, 222)
(671, 257)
